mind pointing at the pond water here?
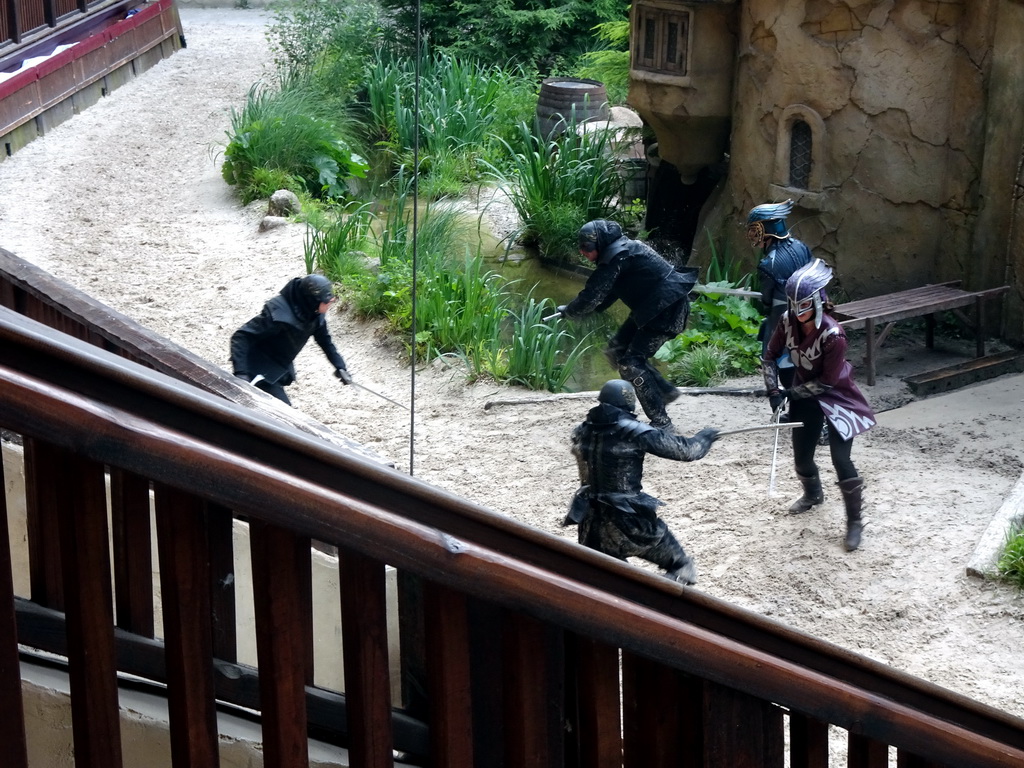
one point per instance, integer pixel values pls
(561, 287)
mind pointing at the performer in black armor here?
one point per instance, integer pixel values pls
(263, 350)
(614, 514)
(657, 295)
(823, 389)
(782, 255)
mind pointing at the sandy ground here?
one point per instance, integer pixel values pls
(126, 203)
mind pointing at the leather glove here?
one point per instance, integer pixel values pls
(710, 434)
(344, 375)
(777, 400)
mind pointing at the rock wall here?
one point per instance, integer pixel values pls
(900, 97)
(916, 134)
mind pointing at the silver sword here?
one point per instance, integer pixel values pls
(378, 394)
(786, 425)
(775, 455)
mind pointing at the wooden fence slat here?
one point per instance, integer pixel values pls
(281, 575)
(447, 662)
(89, 605)
(364, 633)
(534, 692)
(598, 723)
(12, 723)
(865, 752)
(220, 543)
(662, 715)
(741, 731)
(133, 552)
(808, 742)
(906, 760)
(42, 481)
(188, 635)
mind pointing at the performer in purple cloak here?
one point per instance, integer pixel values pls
(823, 389)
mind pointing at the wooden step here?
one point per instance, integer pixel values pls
(968, 372)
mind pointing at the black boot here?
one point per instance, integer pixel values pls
(853, 500)
(813, 494)
(651, 400)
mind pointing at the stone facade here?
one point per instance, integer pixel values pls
(895, 125)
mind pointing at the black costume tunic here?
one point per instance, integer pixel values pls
(633, 272)
(615, 515)
(269, 343)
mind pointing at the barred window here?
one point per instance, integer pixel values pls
(662, 40)
(800, 141)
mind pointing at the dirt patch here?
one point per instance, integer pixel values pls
(125, 202)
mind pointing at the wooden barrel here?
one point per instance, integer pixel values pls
(562, 98)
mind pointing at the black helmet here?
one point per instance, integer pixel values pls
(620, 393)
(319, 287)
(597, 234)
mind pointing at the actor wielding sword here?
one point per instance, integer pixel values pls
(823, 389)
(614, 514)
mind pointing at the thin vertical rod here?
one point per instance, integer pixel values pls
(415, 239)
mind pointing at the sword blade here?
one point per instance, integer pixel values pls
(787, 425)
(378, 394)
(775, 455)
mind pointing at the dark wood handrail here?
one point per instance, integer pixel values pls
(322, 463)
(113, 412)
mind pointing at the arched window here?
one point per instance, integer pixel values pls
(800, 155)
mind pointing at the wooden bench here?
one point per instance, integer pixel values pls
(916, 302)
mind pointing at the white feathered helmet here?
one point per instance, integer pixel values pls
(806, 288)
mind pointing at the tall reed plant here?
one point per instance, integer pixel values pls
(557, 184)
(337, 247)
(462, 106)
(284, 129)
(541, 355)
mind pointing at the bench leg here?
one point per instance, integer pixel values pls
(979, 327)
(869, 350)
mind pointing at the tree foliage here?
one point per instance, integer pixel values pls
(540, 34)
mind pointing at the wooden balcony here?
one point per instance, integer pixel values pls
(517, 648)
(59, 57)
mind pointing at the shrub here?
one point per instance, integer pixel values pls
(609, 63)
(281, 131)
(726, 323)
(330, 40)
(533, 34)
(1011, 563)
(558, 184)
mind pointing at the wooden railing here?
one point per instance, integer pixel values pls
(519, 648)
(22, 19)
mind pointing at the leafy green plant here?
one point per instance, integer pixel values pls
(700, 366)
(542, 356)
(723, 322)
(282, 131)
(609, 63)
(1011, 563)
(557, 184)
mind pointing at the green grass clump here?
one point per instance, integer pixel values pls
(281, 136)
(700, 366)
(558, 184)
(1011, 563)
